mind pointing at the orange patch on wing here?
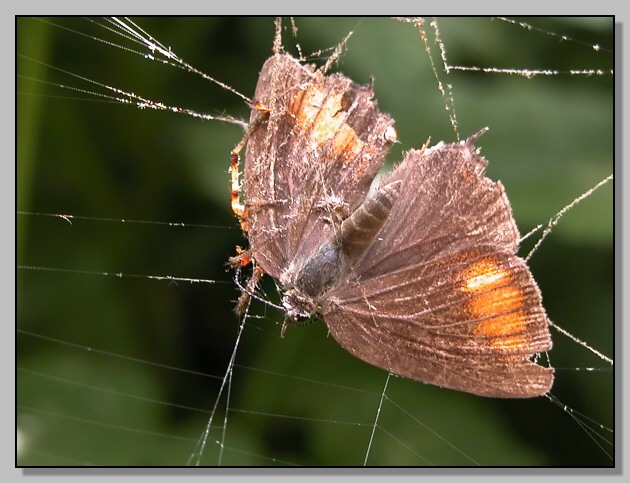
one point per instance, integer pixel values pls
(496, 298)
(322, 113)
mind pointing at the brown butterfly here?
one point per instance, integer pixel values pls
(419, 277)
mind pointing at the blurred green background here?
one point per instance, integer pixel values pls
(91, 400)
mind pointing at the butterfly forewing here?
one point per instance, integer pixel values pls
(440, 295)
(446, 205)
(312, 160)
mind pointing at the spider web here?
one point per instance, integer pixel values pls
(125, 327)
